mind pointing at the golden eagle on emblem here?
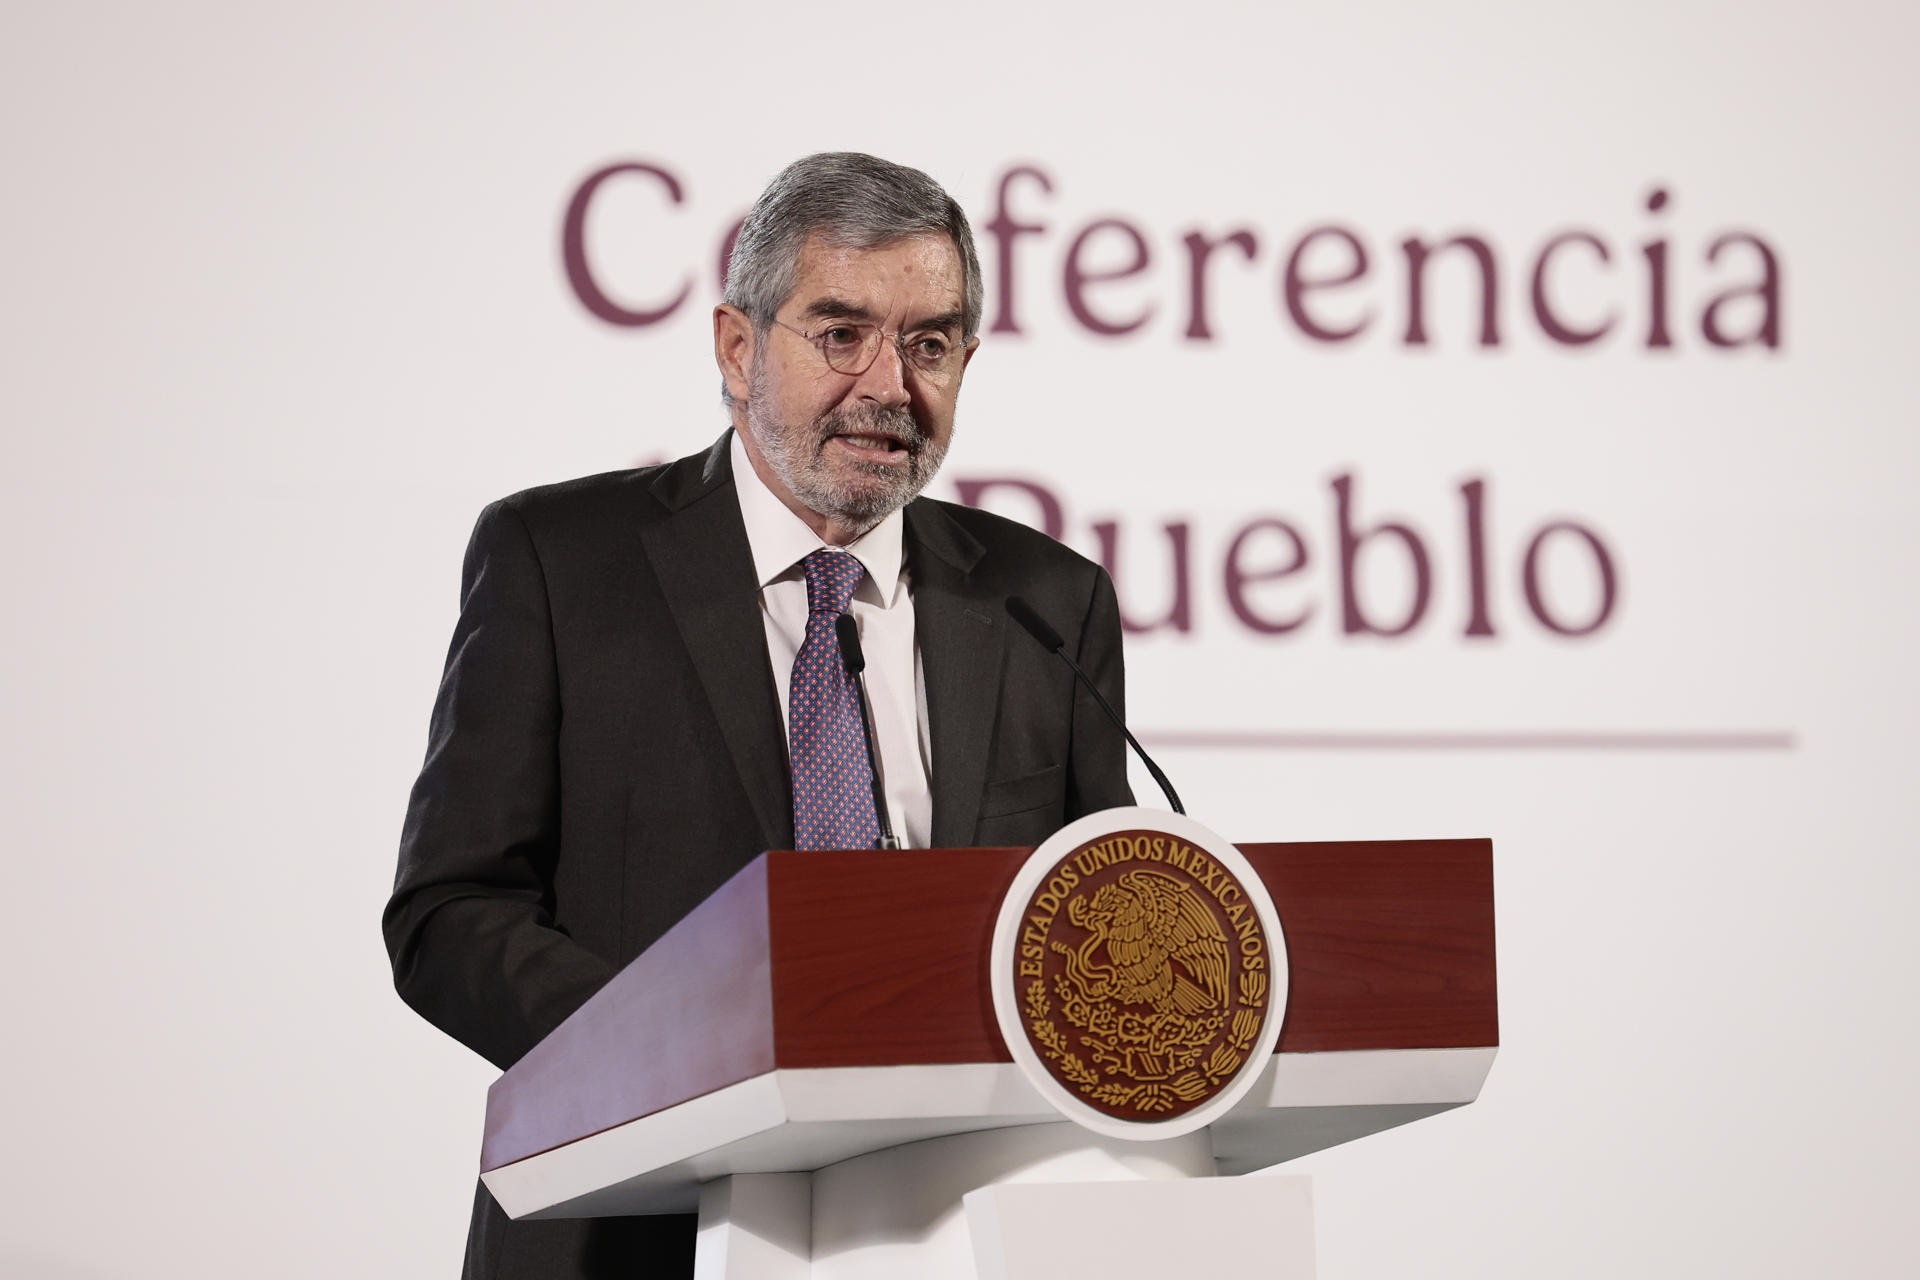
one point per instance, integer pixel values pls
(1161, 945)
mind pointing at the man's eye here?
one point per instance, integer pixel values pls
(931, 347)
(842, 336)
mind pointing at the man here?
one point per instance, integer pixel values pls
(641, 694)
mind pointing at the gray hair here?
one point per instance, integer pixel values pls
(852, 201)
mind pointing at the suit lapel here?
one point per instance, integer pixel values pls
(960, 630)
(705, 569)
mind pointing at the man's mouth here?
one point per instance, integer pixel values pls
(872, 445)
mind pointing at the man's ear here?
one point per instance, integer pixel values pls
(973, 345)
(733, 349)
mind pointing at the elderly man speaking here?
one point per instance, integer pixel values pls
(643, 691)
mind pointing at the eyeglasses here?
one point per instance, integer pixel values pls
(851, 347)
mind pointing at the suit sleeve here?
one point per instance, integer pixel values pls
(470, 924)
(1098, 778)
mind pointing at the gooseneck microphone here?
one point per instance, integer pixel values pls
(850, 653)
(1050, 640)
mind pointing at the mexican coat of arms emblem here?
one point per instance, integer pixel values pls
(1143, 973)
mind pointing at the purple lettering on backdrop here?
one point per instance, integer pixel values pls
(573, 249)
(1004, 229)
(1352, 620)
(1474, 495)
(1296, 285)
(1179, 614)
(1530, 579)
(1199, 249)
(1237, 576)
(1053, 520)
(1245, 567)
(1743, 315)
(1076, 280)
(1655, 252)
(726, 252)
(1767, 290)
(1418, 252)
(1556, 328)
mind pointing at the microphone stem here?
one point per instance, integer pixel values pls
(887, 838)
(855, 661)
(1172, 800)
(1049, 639)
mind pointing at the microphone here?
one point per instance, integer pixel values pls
(850, 653)
(1036, 626)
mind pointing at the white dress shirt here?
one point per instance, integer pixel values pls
(882, 606)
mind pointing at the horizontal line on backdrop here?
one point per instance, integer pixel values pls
(1478, 740)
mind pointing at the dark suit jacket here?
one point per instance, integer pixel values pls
(606, 750)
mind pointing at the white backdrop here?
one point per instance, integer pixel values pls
(284, 307)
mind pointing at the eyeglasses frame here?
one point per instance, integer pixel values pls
(817, 340)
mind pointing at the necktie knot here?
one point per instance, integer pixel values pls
(832, 578)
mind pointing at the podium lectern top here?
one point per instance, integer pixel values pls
(822, 1004)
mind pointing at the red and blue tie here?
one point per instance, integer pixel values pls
(832, 785)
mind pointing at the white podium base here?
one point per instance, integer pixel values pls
(1006, 1204)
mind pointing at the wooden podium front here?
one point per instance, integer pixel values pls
(823, 1006)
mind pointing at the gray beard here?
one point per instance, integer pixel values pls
(793, 453)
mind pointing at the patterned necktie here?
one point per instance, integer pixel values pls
(832, 785)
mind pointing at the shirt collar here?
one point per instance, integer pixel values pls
(780, 540)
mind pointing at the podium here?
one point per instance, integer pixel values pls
(811, 1060)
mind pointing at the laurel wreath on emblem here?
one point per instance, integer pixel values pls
(1147, 991)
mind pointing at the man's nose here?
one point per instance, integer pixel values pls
(885, 381)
